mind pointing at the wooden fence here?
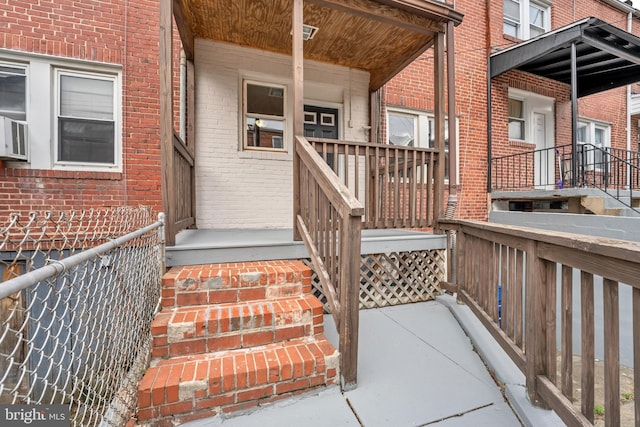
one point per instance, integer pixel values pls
(330, 223)
(534, 290)
(394, 183)
(184, 187)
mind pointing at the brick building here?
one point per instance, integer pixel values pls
(55, 56)
(490, 27)
(112, 46)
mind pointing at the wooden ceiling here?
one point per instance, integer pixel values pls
(380, 37)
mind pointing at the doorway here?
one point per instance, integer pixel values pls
(544, 169)
(321, 122)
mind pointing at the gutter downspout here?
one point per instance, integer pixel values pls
(183, 96)
(489, 105)
(574, 117)
(489, 120)
(629, 30)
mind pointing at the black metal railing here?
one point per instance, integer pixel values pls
(613, 170)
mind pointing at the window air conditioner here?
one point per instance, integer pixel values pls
(13, 139)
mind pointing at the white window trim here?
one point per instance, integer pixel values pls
(60, 164)
(422, 130)
(40, 73)
(532, 103)
(524, 30)
(243, 116)
(523, 119)
(592, 125)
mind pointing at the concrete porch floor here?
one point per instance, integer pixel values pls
(205, 246)
(417, 367)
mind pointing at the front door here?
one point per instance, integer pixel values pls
(320, 122)
(544, 169)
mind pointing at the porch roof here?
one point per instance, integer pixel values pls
(380, 37)
(606, 56)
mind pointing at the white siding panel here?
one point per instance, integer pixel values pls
(248, 189)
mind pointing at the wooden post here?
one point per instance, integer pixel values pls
(297, 59)
(191, 132)
(636, 351)
(566, 370)
(438, 71)
(451, 106)
(166, 119)
(611, 352)
(587, 347)
(349, 300)
(535, 321)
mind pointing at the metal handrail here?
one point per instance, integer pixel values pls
(602, 168)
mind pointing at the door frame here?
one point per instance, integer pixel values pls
(533, 104)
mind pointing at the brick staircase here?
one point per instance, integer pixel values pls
(231, 337)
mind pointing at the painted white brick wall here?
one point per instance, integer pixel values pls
(250, 189)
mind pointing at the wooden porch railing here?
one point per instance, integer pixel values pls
(184, 178)
(330, 222)
(510, 276)
(394, 183)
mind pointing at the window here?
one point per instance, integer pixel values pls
(264, 121)
(516, 119)
(86, 118)
(593, 139)
(13, 92)
(402, 129)
(76, 121)
(416, 130)
(526, 19)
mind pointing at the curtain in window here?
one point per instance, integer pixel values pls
(87, 98)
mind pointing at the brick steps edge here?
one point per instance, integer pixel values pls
(204, 329)
(184, 388)
(234, 282)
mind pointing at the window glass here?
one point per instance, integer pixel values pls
(592, 139)
(264, 116)
(512, 10)
(581, 135)
(13, 92)
(86, 125)
(516, 119)
(536, 20)
(526, 18)
(402, 129)
(511, 17)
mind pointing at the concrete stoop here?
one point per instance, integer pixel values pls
(231, 337)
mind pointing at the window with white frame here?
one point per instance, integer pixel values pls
(517, 121)
(593, 139)
(526, 19)
(415, 129)
(13, 91)
(264, 116)
(85, 118)
(76, 122)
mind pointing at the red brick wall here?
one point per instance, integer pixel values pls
(480, 34)
(111, 31)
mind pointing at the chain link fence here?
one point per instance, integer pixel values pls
(78, 293)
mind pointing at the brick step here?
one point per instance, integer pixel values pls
(181, 389)
(234, 282)
(204, 329)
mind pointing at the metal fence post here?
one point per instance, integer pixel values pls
(163, 243)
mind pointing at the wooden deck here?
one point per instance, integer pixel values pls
(234, 245)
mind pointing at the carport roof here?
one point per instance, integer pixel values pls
(607, 57)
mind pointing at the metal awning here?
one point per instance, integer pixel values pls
(606, 56)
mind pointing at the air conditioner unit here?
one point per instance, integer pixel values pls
(13, 139)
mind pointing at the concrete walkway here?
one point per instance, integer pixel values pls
(417, 367)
